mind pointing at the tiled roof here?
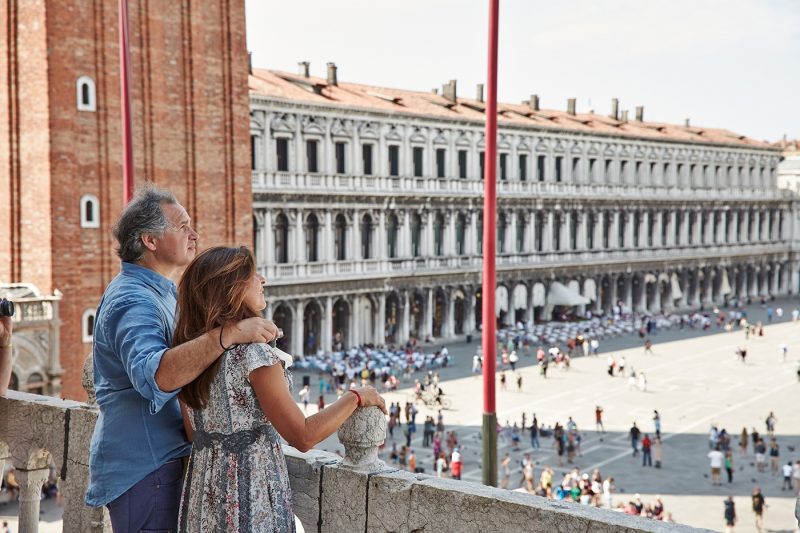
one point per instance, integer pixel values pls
(283, 85)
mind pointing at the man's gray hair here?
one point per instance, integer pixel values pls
(142, 216)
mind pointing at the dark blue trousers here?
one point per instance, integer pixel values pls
(150, 506)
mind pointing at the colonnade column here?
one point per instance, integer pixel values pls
(448, 328)
(670, 222)
(354, 333)
(298, 335)
(298, 255)
(405, 318)
(547, 234)
(582, 221)
(268, 239)
(471, 246)
(629, 230)
(380, 239)
(30, 494)
(326, 247)
(628, 292)
(469, 305)
(380, 327)
(405, 234)
(326, 335)
(355, 242)
(427, 324)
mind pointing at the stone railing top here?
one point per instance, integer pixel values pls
(328, 496)
(357, 493)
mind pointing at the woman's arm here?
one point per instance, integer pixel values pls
(281, 410)
(187, 424)
(5, 353)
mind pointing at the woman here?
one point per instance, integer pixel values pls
(237, 410)
(657, 453)
(743, 442)
(729, 465)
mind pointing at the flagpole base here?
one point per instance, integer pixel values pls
(489, 459)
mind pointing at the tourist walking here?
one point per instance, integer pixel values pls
(647, 459)
(535, 433)
(634, 433)
(716, 459)
(456, 464)
(787, 476)
(729, 465)
(657, 453)
(774, 457)
(759, 505)
(730, 515)
(598, 418)
(657, 422)
(743, 442)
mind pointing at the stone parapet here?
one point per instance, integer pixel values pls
(330, 494)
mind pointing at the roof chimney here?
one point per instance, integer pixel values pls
(571, 106)
(479, 94)
(250, 62)
(304, 68)
(534, 102)
(687, 122)
(332, 74)
(449, 90)
(624, 116)
(640, 113)
(615, 108)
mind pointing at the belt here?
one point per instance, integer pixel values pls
(231, 442)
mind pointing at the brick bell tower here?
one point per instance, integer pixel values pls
(60, 139)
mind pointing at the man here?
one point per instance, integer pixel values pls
(634, 435)
(139, 440)
(716, 458)
(759, 504)
(646, 457)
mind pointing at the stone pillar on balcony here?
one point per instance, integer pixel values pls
(723, 224)
(530, 231)
(427, 234)
(794, 277)
(684, 232)
(511, 233)
(613, 237)
(755, 217)
(380, 326)
(326, 337)
(30, 494)
(708, 238)
(298, 335)
(564, 232)
(599, 222)
(258, 238)
(644, 228)
(404, 220)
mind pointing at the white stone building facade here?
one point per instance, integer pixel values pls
(368, 223)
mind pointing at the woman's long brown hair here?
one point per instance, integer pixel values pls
(211, 294)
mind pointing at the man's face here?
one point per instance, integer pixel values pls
(178, 246)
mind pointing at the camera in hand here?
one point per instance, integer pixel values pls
(6, 307)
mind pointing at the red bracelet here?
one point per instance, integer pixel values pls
(357, 396)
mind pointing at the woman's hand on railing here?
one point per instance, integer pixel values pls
(370, 397)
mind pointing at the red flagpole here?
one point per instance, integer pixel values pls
(125, 102)
(489, 337)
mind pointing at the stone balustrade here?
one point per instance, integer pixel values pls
(357, 493)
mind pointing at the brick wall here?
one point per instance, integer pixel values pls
(190, 127)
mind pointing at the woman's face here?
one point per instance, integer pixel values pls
(255, 293)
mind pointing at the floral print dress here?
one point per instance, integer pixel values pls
(237, 479)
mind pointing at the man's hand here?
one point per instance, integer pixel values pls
(254, 329)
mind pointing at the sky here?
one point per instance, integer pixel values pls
(732, 64)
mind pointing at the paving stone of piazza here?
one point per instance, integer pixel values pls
(694, 379)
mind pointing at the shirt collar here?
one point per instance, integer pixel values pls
(152, 278)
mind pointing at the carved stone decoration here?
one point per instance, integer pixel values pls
(87, 380)
(361, 435)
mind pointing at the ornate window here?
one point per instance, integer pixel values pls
(340, 237)
(366, 237)
(391, 235)
(416, 234)
(438, 234)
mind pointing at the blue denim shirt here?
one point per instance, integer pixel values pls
(140, 427)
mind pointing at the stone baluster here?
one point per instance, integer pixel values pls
(361, 435)
(30, 494)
